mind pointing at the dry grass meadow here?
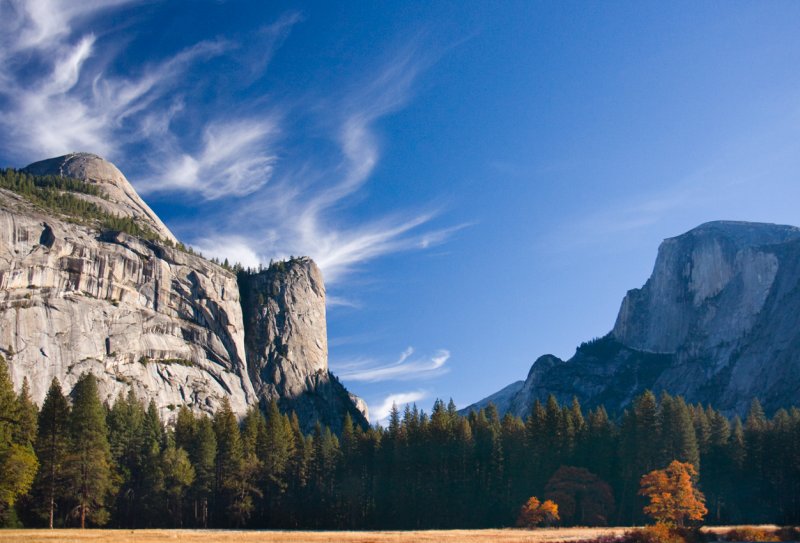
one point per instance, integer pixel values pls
(222, 536)
(542, 535)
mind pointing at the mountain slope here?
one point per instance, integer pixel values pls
(718, 322)
(77, 296)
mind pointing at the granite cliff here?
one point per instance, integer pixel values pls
(141, 311)
(717, 322)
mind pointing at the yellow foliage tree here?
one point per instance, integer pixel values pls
(536, 513)
(673, 496)
(18, 463)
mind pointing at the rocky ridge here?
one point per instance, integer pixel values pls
(145, 314)
(717, 322)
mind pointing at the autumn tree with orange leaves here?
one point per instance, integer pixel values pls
(673, 496)
(536, 513)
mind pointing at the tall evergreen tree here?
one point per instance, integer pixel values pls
(89, 464)
(640, 452)
(678, 437)
(718, 469)
(125, 422)
(178, 475)
(52, 445)
(27, 415)
(756, 455)
(234, 488)
(152, 483)
(203, 454)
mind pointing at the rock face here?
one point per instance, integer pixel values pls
(142, 314)
(717, 322)
(287, 347)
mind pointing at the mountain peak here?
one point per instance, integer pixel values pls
(119, 196)
(743, 234)
(717, 322)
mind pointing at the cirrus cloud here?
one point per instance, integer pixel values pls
(407, 367)
(179, 127)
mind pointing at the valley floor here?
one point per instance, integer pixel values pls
(542, 535)
(224, 536)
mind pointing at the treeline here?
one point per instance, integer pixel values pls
(56, 193)
(80, 461)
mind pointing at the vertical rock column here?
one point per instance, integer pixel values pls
(287, 345)
(286, 332)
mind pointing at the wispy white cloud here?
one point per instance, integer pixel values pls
(74, 97)
(234, 160)
(74, 101)
(405, 368)
(380, 413)
(38, 24)
(297, 212)
(339, 301)
(236, 249)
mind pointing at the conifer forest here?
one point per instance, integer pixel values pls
(81, 462)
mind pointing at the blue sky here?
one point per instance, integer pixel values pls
(480, 182)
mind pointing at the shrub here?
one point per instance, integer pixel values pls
(535, 513)
(747, 533)
(789, 533)
(660, 533)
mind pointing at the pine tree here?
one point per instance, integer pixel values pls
(150, 470)
(89, 465)
(640, 451)
(678, 437)
(755, 435)
(601, 444)
(18, 463)
(299, 472)
(203, 454)
(579, 454)
(234, 490)
(555, 438)
(702, 428)
(27, 415)
(516, 457)
(276, 447)
(52, 443)
(125, 422)
(253, 435)
(178, 474)
(185, 428)
(536, 446)
(718, 469)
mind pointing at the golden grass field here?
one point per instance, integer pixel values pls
(542, 535)
(224, 536)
